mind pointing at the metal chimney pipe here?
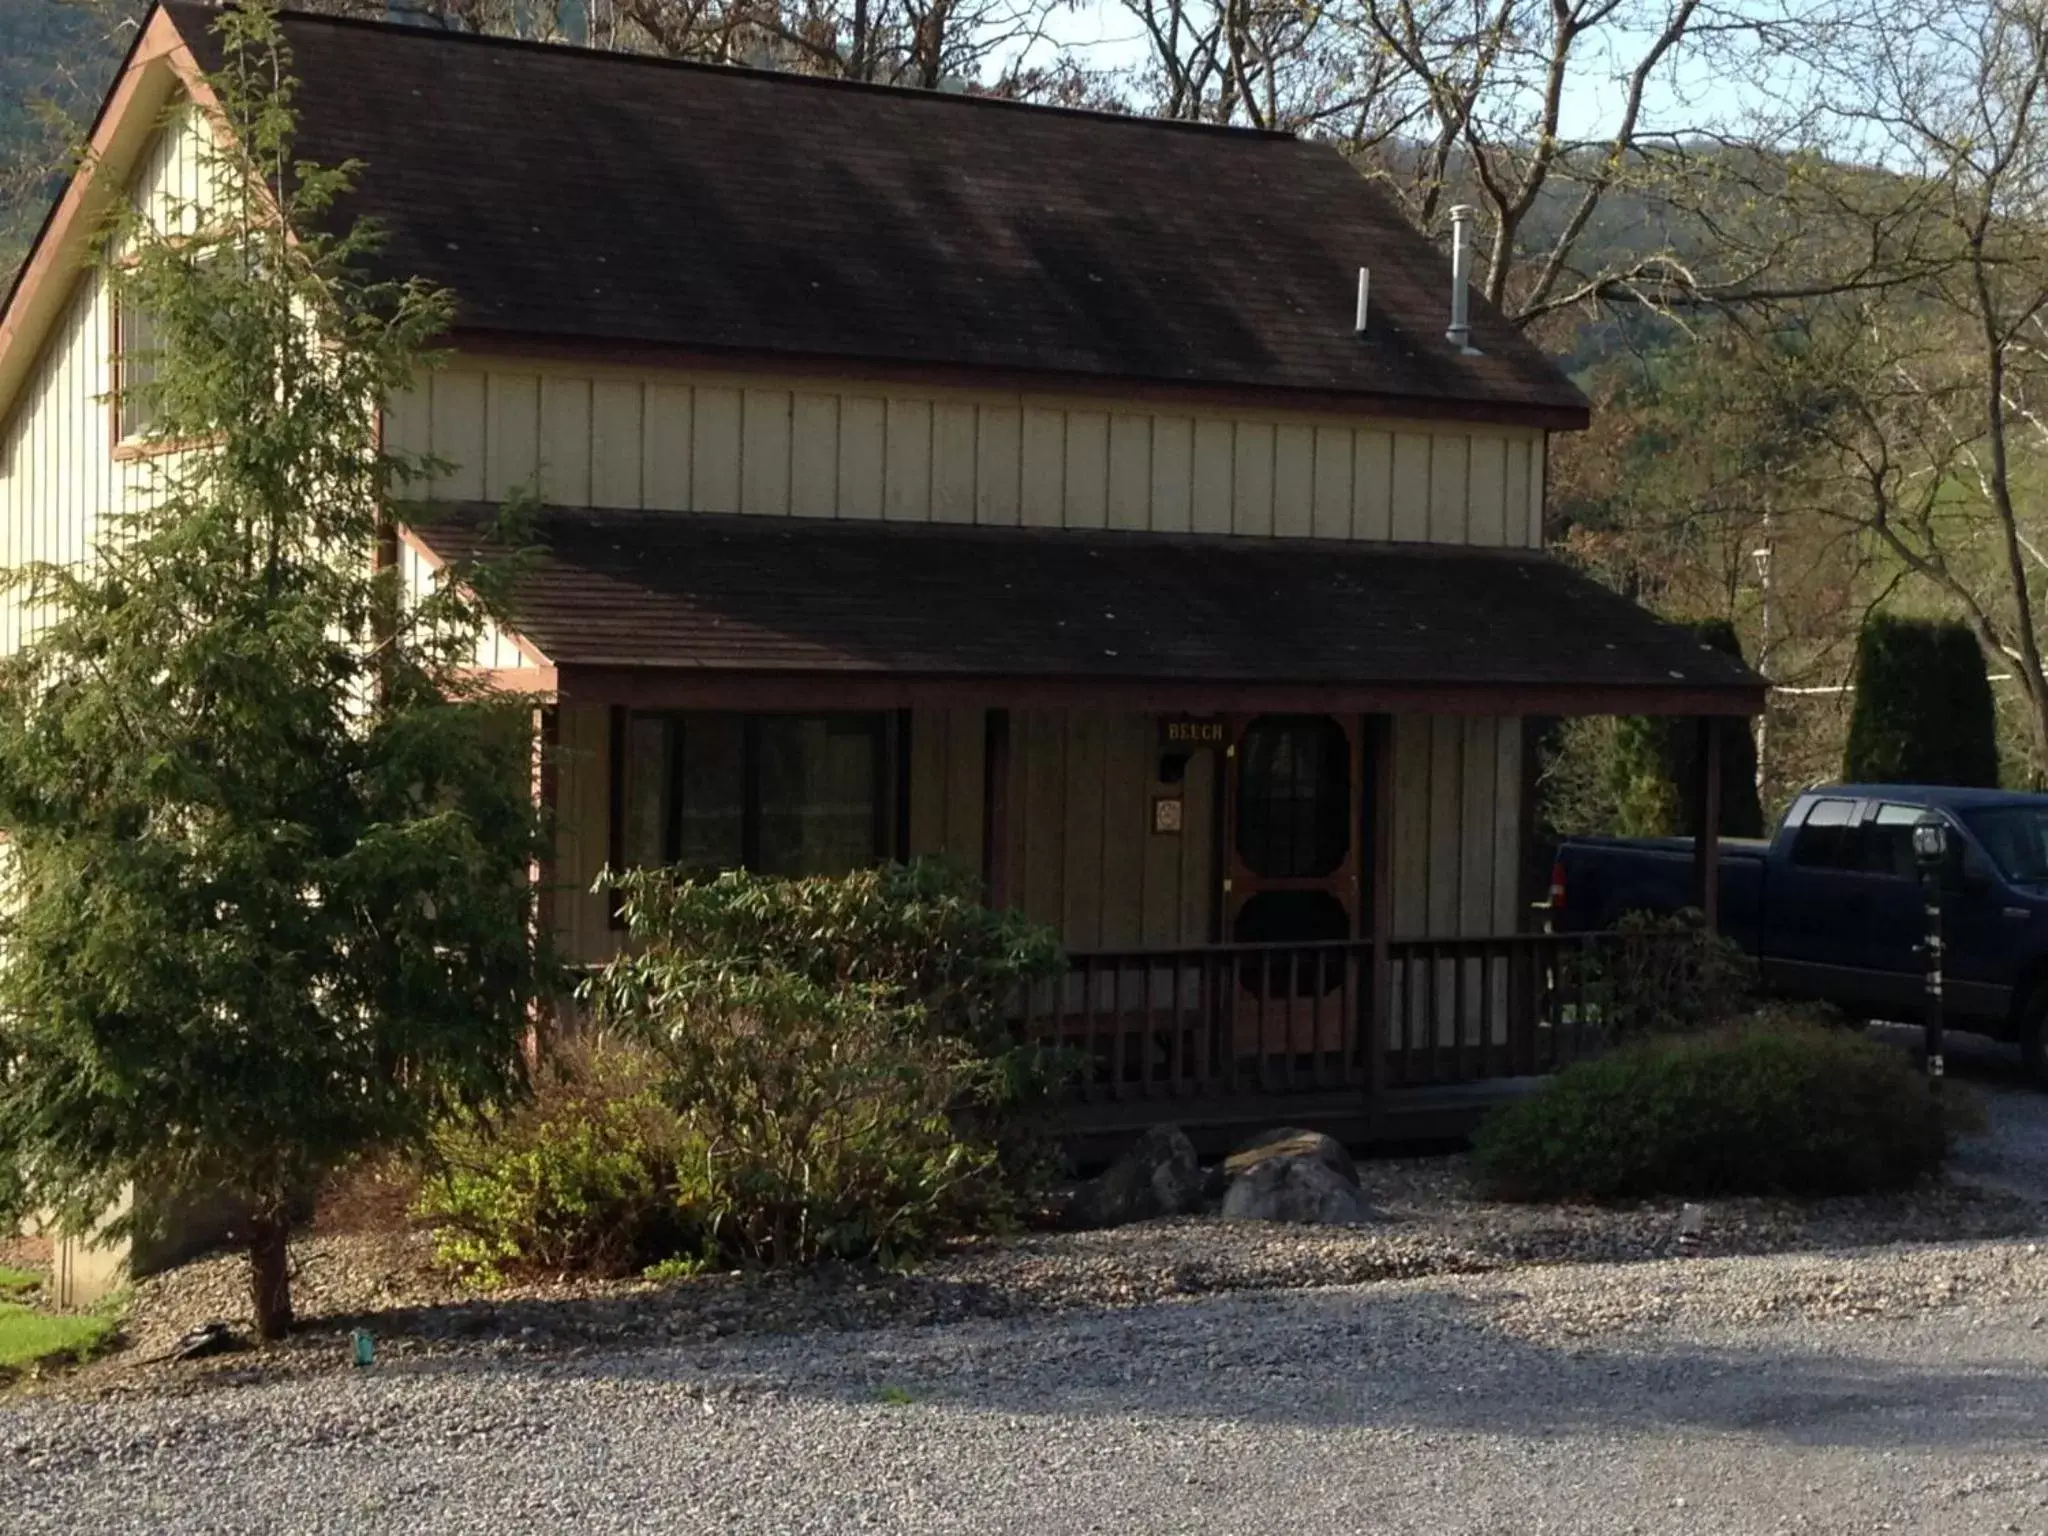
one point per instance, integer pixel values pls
(1364, 292)
(1460, 333)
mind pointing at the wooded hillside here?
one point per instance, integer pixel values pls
(56, 57)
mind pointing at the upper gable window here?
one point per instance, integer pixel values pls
(135, 372)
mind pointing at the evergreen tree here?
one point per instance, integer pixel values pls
(268, 903)
(1924, 712)
(1654, 775)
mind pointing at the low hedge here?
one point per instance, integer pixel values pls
(1767, 1107)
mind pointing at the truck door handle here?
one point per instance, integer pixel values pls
(2014, 914)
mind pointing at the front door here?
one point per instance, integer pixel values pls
(1293, 859)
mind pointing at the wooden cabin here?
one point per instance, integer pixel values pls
(925, 474)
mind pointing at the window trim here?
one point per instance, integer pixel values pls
(1851, 823)
(1873, 819)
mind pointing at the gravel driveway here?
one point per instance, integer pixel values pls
(1889, 1388)
(1900, 1389)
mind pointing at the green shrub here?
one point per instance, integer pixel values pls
(917, 932)
(1924, 712)
(584, 1176)
(836, 1053)
(1769, 1107)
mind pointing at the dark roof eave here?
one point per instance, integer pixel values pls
(653, 681)
(507, 341)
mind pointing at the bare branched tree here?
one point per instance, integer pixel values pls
(1936, 433)
(1689, 185)
(926, 43)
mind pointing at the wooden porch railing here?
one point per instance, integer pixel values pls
(1234, 1019)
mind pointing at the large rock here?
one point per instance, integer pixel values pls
(1159, 1176)
(1289, 1141)
(1297, 1176)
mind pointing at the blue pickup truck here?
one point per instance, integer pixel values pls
(1831, 907)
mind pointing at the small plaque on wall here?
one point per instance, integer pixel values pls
(1191, 731)
(1166, 813)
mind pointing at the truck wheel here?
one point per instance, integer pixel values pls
(2033, 1035)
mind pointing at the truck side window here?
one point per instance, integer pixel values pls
(1823, 838)
(1888, 841)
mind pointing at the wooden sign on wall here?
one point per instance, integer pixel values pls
(1192, 732)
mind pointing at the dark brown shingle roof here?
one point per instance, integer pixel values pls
(579, 196)
(740, 594)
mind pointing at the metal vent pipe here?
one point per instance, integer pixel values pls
(1460, 333)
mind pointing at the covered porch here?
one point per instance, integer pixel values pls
(1275, 797)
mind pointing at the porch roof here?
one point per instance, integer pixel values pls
(630, 598)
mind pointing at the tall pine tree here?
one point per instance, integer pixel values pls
(267, 903)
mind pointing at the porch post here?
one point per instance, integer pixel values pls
(995, 806)
(1380, 1012)
(615, 807)
(541, 871)
(1706, 847)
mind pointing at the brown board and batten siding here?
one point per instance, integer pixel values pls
(1081, 855)
(60, 476)
(582, 832)
(587, 436)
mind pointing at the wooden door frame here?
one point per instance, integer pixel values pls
(1237, 883)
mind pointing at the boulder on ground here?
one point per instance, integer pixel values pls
(1291, 1141)
(1159, 1176)
(1304, 1186)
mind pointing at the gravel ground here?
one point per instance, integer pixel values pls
(1895, 1389)
(2011, 1157)
(1434, 1225)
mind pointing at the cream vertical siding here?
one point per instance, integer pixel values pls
(823, 448)
(1457, 788)
(947, 780)
(1457, 848)
(495, 650)
(59, 475)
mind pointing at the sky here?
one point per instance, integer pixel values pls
(1697, 91)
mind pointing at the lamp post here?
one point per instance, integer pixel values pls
(1930, 853)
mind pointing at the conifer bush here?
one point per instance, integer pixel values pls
(1924, 712)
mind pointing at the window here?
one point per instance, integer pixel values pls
(782, 794)
(2016, 837)
(1888, 841)
(1294, 798)
(135, 349)
(1825, 839)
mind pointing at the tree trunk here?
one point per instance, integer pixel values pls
(270, 1279)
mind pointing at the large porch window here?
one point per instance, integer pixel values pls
(779, 794)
